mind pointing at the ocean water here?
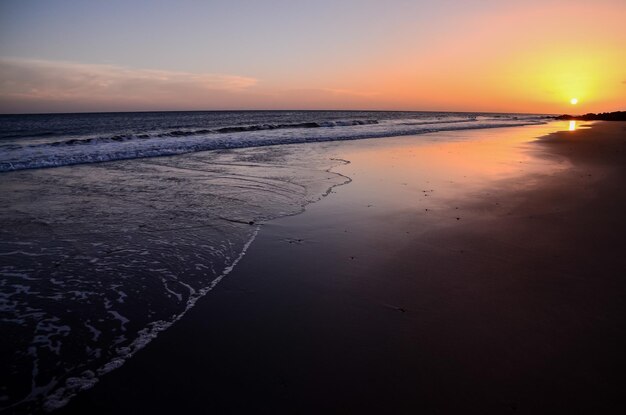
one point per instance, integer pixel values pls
(34, 141)
(97, 258)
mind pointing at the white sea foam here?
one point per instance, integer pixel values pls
(88, 379)
(169, 231)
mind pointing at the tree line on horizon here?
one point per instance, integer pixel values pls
(604, 116)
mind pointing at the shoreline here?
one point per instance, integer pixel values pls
(283, 382)
(119, 147)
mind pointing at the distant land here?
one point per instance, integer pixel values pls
(605, 116)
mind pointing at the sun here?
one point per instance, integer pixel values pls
(573, 101)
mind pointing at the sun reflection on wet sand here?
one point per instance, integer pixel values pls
(572, 125)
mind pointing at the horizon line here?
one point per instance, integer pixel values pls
(276, 110)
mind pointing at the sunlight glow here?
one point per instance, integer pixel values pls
(573, 101)
(572, 125)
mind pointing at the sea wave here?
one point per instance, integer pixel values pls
(82, 150)
(195, 132)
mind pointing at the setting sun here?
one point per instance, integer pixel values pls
(573, 101)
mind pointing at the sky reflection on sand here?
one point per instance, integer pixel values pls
(445, 166)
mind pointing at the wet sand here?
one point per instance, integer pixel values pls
(482, 274)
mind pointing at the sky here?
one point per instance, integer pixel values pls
(473, 55)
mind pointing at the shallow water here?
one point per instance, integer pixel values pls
(97, 259)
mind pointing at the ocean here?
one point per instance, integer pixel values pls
(35, 141)
(105, 242)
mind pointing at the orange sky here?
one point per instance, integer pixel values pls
(531, 56)
(521, 59)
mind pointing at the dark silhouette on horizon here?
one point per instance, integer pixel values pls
(604, 116)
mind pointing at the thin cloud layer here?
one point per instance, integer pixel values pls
(73, 84)
(33, 85)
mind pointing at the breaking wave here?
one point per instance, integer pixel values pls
(70, 150)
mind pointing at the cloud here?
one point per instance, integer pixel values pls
(29, 85)
(40, 81)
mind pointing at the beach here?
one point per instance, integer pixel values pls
(477, 271)
(312, 207)
(116, 224)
